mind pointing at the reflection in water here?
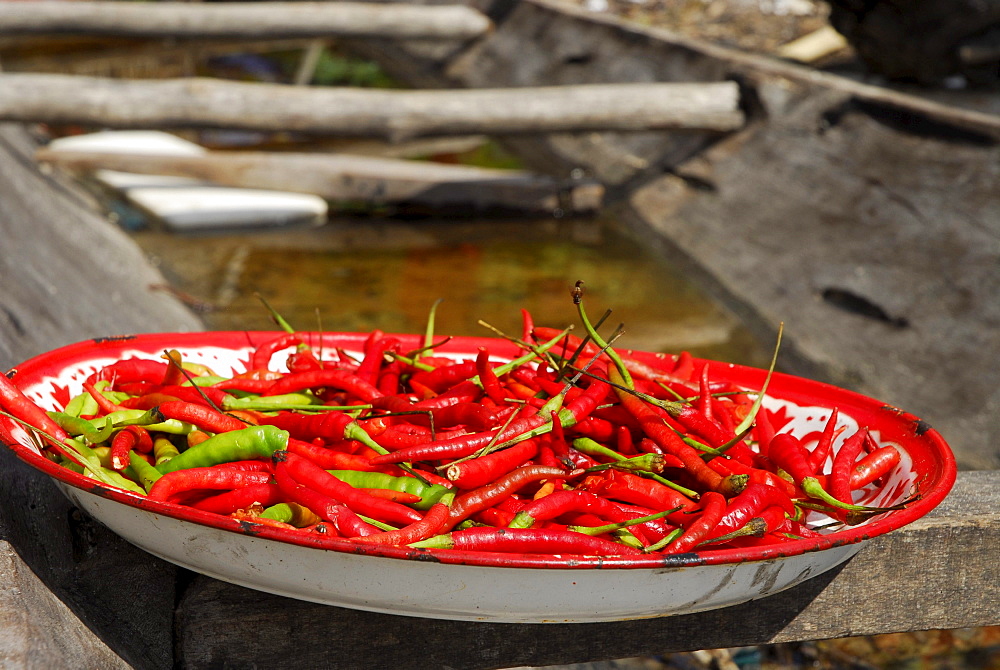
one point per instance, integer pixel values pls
(358, 275)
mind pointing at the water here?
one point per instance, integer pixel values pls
(362, 274)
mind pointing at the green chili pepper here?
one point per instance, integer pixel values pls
(272, 402)
(148, 420)
(163, 450)
(145, 474)
(78, 427)
(235, 445)
(82, 404)
(429, 493)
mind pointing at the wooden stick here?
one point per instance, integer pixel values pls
(269, 20)
(394, 114)
(376, 181)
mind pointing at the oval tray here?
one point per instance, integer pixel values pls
(478, 586)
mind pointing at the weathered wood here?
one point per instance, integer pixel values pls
(259, 20)
(939, 572)
(358, 179)
(832, 188)
(38, 630)
(67, 274)
(200, 102)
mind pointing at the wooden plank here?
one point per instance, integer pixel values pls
(258, 20)
(939, 572)
(201, 102)
(357, 179)
(69, 275)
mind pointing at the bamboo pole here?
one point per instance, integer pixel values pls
(393, 114)
(271, 20)
(352, 178)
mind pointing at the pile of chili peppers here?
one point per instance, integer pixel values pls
(572, 448)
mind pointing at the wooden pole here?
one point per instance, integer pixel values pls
(393, 114)
(351, 178)
(257, 20)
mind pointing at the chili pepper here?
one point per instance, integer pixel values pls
(480, 471)
(330, 459)
(874, 466)
(430, 524)
(631, 488)
(236, 445)
(713, 506)
(176, 482)
(751, 502)
(129, 438)
(13, 401)
(247, 384)
(344, 520)
(558, 503)
(261, 357)
(478, 499)
(655, 427)
(788, 453)
(316, 478)
(341, 380)
(824, 447)
(163, 451)
(527, 541)
(462, 445)
(428, 494)
(264, 494)
(104, 403)
(202, 416)
(294, 514)
(844, 463)
(130, 370)
(488, 378)
(444, 377)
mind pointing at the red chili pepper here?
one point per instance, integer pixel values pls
(488, 378)
(261, 357)
(649, 493)
(656, 428)
(462, 445)
(558, 503)
(480, 471)
(330, 425)
(130, 370)
(342, 380)
(788, 453)
(202, 416)
(345, 520)
(172, 484)
(316, 478)
(821, 452)
(128, 439)
(331, 459)
(528, 541)
(431, 524)
(105, 404)
(751, 502)
(713, 506)
(264, 494)
(844, 462)
(476, 500)
(446, 376)
(15, 403)
(874, 466)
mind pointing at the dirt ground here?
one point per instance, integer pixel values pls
(760, 26)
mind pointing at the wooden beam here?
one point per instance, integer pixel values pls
(258, 20)
(395, 114)
(939, 572)
(372, 180)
